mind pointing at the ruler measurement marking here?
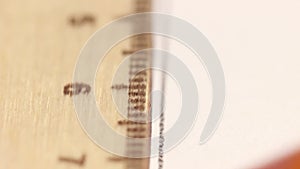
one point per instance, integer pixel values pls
(76, 89)
(137, 95)
(84, 19)
(79, 162)
(138, 107)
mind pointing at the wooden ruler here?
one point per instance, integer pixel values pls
(39, 45)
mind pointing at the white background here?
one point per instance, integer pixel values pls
(257, 43)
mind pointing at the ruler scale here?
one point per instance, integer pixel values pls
(38, 51)
(140, 101)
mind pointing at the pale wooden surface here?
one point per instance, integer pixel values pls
(38, 52)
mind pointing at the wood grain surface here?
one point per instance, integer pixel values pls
(39, 44)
